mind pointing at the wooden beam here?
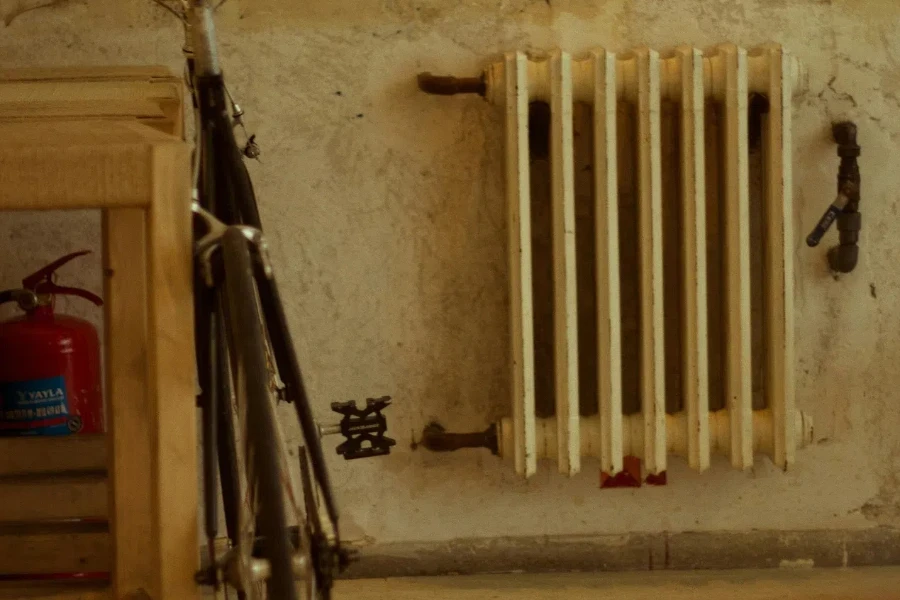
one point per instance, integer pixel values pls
(53, 165)
(130, 413)
(171, 389)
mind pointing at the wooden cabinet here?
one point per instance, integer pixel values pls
(125, 502)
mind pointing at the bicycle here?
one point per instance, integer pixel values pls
(246, 362)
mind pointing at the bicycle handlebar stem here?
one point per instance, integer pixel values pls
(203, 43)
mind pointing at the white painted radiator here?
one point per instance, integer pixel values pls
(693, 81)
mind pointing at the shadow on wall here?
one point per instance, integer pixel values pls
(457, 233)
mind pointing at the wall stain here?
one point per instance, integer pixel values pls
(884, 508)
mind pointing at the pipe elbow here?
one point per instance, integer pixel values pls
(843, 258)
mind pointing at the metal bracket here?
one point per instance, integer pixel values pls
(207, 245)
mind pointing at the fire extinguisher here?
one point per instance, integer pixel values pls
(49, 363)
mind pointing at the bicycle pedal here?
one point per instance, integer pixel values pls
(364, 428)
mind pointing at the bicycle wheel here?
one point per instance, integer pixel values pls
(263, 484)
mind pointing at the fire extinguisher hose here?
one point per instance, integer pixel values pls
(25, 298)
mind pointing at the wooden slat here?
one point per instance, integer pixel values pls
(153, 95)
(51, 454)
(23, 110)
(694, 352)
(73, 91)
(53, 591)
(172, 369)
(653, 400)
(518, 200)
(778, 279)
(565, 293)
(609, 318)
(738, 378)
(84, 74)
(70, 164)
(61, 548)
(130, 414)
(37, 499)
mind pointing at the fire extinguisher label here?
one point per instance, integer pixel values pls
(37, 407)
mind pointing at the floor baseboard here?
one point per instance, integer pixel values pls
(878, 546)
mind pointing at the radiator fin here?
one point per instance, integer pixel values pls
(778, 263)
(565, 292)
(694, 352)
(609, 318)
(738, 372)
(518, 198)
(650, 260)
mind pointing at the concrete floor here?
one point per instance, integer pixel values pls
(793, 584)
(785, 584)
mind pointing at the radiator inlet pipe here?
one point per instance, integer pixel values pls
(447, 85)
(844, 257)
(436, 439)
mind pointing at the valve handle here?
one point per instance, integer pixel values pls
(824, 224)
(41, 281)
(830, 216)
(364, 429)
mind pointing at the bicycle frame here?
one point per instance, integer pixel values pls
(223, 190)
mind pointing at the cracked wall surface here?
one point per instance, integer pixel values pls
(385, 214)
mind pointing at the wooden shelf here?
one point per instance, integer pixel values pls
(49, 486)
(54, 591)
(52, 455)
(63, 547)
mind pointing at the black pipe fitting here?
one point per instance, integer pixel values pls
(447, 85)
(844, 257)
(436, 439)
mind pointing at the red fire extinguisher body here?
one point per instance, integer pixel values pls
(49, 375)
(49, 363)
